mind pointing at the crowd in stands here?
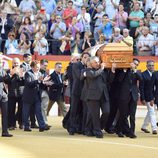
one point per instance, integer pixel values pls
(64, 27)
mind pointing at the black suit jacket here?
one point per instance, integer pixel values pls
(155, 85)
(97, 81)
(56, 90)
(32, 91)
(128, 84)
(77, 83)
(146, 87)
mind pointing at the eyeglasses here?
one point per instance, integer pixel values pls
(11, 35)
(150, 65)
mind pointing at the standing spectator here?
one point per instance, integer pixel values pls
(111, 7)
(15, 83)
(120, 17)
(134, 18)
(148, 5)
(139, 29)
(145, 43)
(56, 90)
(148, 19)
(3, 102)
(59, 9)
(27, 61)
(33, 79)
(24, 44)
(40, 44)
(98, 20)
(154, 9)
(40, 27)
(106, 28)
(27, 27)
(69, 13)
(147, 98)
(126, 38)
(57, 31)
(49, 6)
(154, 26)
(78, 4)
(84, 18)
(27, 4)
(11, 44)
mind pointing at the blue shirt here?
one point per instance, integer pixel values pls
(49, 6)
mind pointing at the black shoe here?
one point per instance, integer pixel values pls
(109, 131)
(120, 134)
(34, 126)
(27, 130)
(21, 127)
(99, 135)
(145, 130)
(133, 136)
(46, 128)
(157, 123)
(89, 134)
(71, 133)
(7, 135)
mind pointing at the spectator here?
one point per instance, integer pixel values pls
(39, 27)
(11, 44)
(27, 4)
(126, 38)
(140, 28)
(148, 5)
(154, 26)
(145, 43)
(28, 13)
(111, 7)
(154, 9)
(117, 37)
(69, 13)
(87, 42)
(78, 4)
(98, 20)
(75, 27)
(134, 18)
(148, 19)
(106, 27)
(59, 9)
(120, 17)
(24, 44)
(27, 27)
(40, 44)
(49, 6)
(57, 31)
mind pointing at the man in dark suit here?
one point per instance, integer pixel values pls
(76, 103)
(97, 96)
(128, 97)
(32, 96)
(3, 102)
(56, 90)
(147, 97)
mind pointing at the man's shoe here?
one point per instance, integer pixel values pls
(27, 130)
(7, 135)
(46, 128)
(11, 128)
(99, 135)
(133, 136)
(154, 132)
(21, 127)
(89, 134)
(120, 134)
(34, 126)
(71, 133)
(145, 130)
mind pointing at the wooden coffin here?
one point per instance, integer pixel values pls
(118, 53)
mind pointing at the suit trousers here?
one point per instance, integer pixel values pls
(4, 106)
(61, 105)
(12, 117)
(44, 104)
(38, 113)
(150, 117)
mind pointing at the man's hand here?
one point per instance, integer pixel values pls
(152, 103)
(113, 68)
(143, 102)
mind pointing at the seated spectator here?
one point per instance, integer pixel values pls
(27, 5)
(39, 27)
(135, 17)
(126, 38)
(117, 37)
(49, 6)
(59, 9)
(69, 13)
(120, 17)
(51, 21)
(8, 6)
(75, 27)
(40, 44)
(27, 27)
(11, 44)
(28, 13)
(156, 46)
(145, 43)
(57, 31)
(106, 28)
(24, 44)
(84, 18)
